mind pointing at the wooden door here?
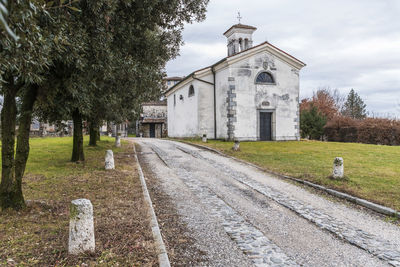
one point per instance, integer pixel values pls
(152, 130)
(265, 126)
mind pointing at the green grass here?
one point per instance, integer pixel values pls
(372, 171)
(50, 156)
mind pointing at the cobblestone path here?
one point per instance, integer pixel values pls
(269, 221)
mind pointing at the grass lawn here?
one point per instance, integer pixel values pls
(38, 235)
(372, 171)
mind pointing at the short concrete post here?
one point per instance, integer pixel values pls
(204, 138)
(236, 146)
(109, 160)
(81, 229)
(109, 134)
(118, 141)
(141, 135)
(338, 168)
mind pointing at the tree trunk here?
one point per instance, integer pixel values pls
(98, 134)
(25, 121)
(77, 151)
(10, 196)
(93, 133)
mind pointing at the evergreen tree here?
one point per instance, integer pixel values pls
(354, 106)
(76, 59)
(312, 123)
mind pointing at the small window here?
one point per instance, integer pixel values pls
(191, 91)
(174, 100)
(265, 77)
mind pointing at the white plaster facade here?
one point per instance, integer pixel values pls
(240, 101)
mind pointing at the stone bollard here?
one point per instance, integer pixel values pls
(109, 161)
(81, 229)
(338, 168)
(118, 141)
(109, 135)
(141, 135)
(204, 138)
(236, 146)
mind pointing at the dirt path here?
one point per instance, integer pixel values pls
(231, 214)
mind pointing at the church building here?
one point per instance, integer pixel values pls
(252, 94)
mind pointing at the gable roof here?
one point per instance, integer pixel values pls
(232, 56)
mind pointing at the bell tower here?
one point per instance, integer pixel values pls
(239, 38)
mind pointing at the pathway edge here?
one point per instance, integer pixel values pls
(163, 259)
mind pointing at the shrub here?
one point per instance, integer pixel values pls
(368, 131)
(312, 123)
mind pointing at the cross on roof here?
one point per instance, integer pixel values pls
(239, 17)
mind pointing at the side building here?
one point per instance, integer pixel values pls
(153, 120)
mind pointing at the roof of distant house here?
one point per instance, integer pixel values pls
(155, 103)
(175, 78)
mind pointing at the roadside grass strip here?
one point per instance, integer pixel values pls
(38, 235)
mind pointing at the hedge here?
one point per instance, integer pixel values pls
(368, 131)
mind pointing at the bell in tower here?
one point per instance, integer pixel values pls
(239, 38)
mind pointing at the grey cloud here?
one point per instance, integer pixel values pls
(346, 44)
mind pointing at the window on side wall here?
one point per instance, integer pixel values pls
(191, 91)
(174, 100)
(265, 78)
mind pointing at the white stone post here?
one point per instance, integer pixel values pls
(109, 160)
(338, 168)
(118, 141)
(81, 229)
(204, 138)
(236, 145)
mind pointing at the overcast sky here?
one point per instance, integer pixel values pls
(345, 43)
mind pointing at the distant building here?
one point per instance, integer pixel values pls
(42, 129)
(153, 120)
(171, 81)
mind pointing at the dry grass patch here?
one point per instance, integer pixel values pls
(38, 235)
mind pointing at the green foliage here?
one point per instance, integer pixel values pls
(354, 106)
(312, 123)
(122, 48)
(3, 21)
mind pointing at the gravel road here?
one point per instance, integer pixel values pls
(240, 216)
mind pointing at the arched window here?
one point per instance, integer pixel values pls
(265, 77)
(191, 91)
